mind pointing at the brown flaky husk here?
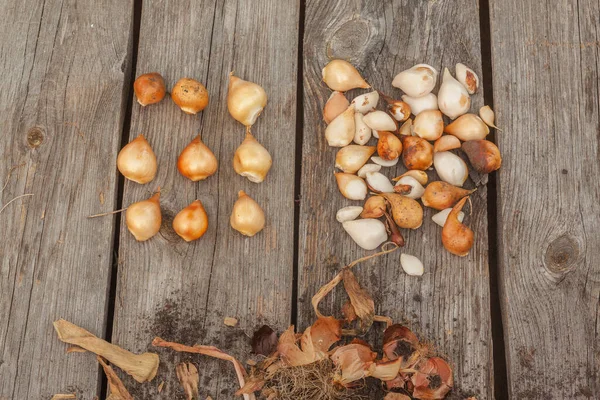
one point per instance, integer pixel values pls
(117, 391)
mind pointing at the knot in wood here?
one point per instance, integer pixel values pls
(35, 137)
(350, 41)
(166, 227)
(561, 255)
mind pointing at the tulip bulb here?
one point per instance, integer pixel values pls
(399, 109)
(389, 147)
(340, 75)
(487, 115)
(143, 218)
(366, 102)
(441, 217)
(190, 95)
(349, 213)
(418, 175)
(191, 222)
(374, 207)
(379, 183)
(417, 153)
(149, 88)
(385, 163)
(362, 133)
(450, 168)
(136, 161)
(420, 104)
(247, 217)
(245, 100)
(252, 160)
(367, 233)
(441, 195)
(483, 155)
(467, 77)
(416, 81)
(351, 158)
(380, 121)
(453, 98)
(407, 213)
(341, 130)
(407, 128)
(351, 186)
(336, 104)
(197, 162)
(416, 189)
(411, 265)
(456, 237)
(365, 169)
(445, 143)
(429, 125)
(468, 127)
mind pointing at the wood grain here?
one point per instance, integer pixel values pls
(449, 305)
(182, 291)
(65, 67)
(546, 73)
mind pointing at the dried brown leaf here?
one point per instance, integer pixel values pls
(361, 300)
(188, 376)
(348, 311)
(264, 341)
(75, 349)
(142, 367)
(117, 390)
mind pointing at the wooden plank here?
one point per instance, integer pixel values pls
(182, 291)
(546, 72)
(449, 305)
(62, 99)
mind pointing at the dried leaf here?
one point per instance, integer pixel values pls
(230, 321)
(210, 351)
(142, 367)
(75, 349)
(361, 300)
(323, 291)
(188, 376)
(117, 390)
(348, 311)
(264, 341)
(64, 396)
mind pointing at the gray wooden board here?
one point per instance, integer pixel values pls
(546, 90)
(62, 99)
(449, 305)
(182, 291)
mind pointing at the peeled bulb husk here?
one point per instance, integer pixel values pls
(342, 76)
(407, 213)
(457, 237)
(416, 81)
(341, 130)
(389, 146)
(380, 121)
(420, 104)
(379, 182)
(407, 128)
(336, 104)
(366, 102)
(349, 213)
(487, 115)
(453, 98)
(445, 143)
(245, 100)
(418, 175)
(468, 127)
(367, 233)
(351, 186)
(429, 125)
(411, 265)
(374, 207)
(352, 157)
(483, 155)
(441, 195)
(252, 160)
(197, 162)
(191, 222)
(450, 168)
(136, 161)
(467, 77)
(362, 133)
(368, 168)
(417, 189)
(143, 218)
(247, 217)
(441, 217)
(417, 153)
(384, 163)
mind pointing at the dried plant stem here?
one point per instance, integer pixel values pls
(107, 213)
(381, 253)
(16, 198)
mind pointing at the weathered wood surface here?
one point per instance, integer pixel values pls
(546, 73)
(182, 291)
(62, 99)
(449, 305)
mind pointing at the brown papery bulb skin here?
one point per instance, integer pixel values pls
(417, 154)
(190, 95)
(149, 88)
(137, 162)
(247, 217)
(389, 146)
(484, 155)
(197, 162)
(191, 222)
(143, 218)
(441, 195)
(457, 237)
